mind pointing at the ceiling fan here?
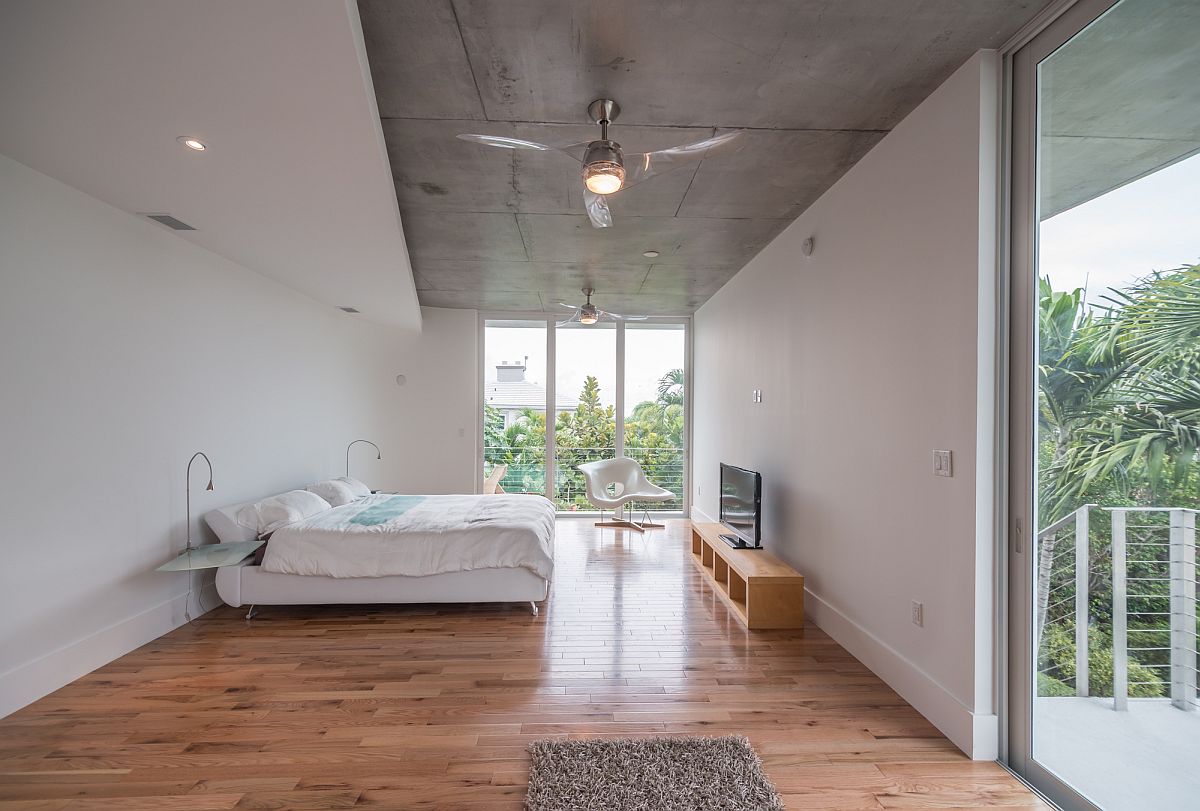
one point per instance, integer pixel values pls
(588, 313)
(605, 167)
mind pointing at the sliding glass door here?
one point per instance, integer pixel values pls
(1105, 484)
(514, 404)
(612, 388)
(655, 413)
(585, 423)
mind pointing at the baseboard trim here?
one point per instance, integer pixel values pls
(977, 735)
(30, 681)
(700, 516)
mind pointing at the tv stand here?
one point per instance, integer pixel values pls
(760, 590)
(737, 543)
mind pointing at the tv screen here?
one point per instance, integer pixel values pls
(741, 498)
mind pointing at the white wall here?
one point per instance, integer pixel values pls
(867, 354)
(124, 349)
(440, 403)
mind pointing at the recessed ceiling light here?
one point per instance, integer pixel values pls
(650, 254)
(192, 143)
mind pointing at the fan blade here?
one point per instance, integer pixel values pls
(700, 146)
(573, 319)
(597, 209)
(568, 306)
(620, 317)
(503, 142)
(645, 165)
(575, 151)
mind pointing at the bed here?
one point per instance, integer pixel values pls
(394, 548)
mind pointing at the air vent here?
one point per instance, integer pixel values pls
(170, 222)
(348, 309)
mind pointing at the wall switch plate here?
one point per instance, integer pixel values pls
(943, 463)
(918, 614)
(756, 396)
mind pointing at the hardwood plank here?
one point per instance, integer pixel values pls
(433, 706)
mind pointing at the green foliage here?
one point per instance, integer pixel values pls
(1118, 425)
(1050, 686)
(1119, 393)
(587, 434)
(1057, 662)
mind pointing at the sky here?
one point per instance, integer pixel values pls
(1150, 224)
(649, 354)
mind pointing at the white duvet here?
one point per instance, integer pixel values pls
(384, 535)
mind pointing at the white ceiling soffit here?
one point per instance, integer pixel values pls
(295, 183)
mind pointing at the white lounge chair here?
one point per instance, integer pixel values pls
(614, 484)
(491, 483)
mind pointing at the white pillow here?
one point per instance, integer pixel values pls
(335, 491)
(359, 489)
(268, 515)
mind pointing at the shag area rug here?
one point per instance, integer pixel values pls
(649, 774)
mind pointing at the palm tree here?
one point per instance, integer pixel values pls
(670, 388)
(1141, 422)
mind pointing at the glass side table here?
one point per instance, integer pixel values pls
(211, 556)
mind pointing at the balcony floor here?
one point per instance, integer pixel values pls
(1099, 751)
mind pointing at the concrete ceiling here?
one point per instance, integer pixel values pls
(295, 184)
(814, 85)
(1119, 101)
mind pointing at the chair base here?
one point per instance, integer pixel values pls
(628, 523)
(642, 527)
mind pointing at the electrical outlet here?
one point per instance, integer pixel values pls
(918, 614)
(943, 463)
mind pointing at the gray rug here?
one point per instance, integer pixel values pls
(648, 774)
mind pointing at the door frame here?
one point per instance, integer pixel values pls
(550, 320)
(1053, 28)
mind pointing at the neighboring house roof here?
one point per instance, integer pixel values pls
(523, 394)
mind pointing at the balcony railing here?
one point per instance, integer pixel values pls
(1125, 576)
(527, 472)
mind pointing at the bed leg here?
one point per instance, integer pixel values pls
(250, 614)
(533, 607)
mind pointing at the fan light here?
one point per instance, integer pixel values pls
(587, 314)
(603, 167)
(604, 178)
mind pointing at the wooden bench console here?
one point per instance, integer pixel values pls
(762, 590)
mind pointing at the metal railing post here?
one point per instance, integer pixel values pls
(1120, 618)
(1082, 564)
(1183, 609)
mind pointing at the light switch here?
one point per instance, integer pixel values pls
(943, 463)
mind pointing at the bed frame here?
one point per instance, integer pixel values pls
(247, 584)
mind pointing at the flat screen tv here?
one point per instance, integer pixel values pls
(741, 506)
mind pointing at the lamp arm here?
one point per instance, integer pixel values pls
(378, 453)
(188, 488)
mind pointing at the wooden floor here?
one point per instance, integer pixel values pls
(419, 707)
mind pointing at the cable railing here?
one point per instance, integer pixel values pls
(1125, 576)
(664, 466)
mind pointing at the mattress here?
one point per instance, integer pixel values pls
(388, 535)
